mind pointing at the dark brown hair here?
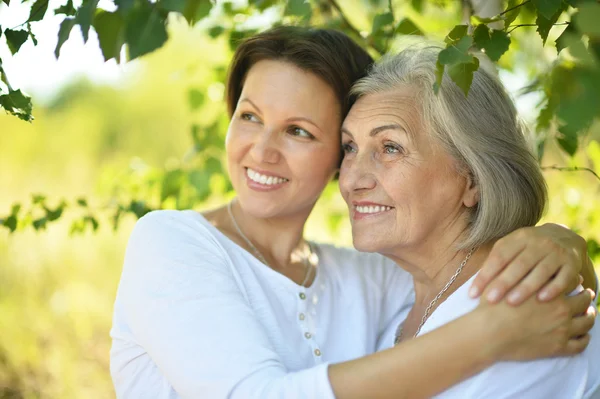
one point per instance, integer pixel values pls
(327, 53)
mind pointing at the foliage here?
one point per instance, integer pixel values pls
(155, 140)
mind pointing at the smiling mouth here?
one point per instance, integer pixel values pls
(263, 179)
(371, 209)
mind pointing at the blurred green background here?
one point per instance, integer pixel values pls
(156, 135)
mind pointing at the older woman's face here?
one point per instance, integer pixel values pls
(401, 188)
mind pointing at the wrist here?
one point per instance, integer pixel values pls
(491, 338)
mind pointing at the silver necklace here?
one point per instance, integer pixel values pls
(434, 301)
(260, 256)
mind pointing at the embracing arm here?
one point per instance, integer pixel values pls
(433, 362)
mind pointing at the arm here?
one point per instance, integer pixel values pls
(187, 314)
(429, 364)
(546, 260)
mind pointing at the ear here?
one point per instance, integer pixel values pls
(471, 194)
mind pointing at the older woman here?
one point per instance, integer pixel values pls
(236, 303)
(434, 182)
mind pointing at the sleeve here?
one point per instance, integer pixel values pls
(398, 298)
(184, 309)
(546, 378)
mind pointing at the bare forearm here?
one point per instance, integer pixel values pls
(418, 368)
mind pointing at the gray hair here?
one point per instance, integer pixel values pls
(481, 131)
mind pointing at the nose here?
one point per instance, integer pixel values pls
(265, 147)
(357, 173)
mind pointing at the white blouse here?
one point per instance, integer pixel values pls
(572, 377)
(196, 316)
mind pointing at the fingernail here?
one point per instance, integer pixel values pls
(493, 295)
(514, 297)
(544, 295)
(474, 292)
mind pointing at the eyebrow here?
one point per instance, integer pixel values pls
(296, 118)
(377, 130)
(251, 103)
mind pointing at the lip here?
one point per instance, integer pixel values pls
(263, 187)
(360, 216)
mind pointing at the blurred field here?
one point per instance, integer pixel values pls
(56, 291)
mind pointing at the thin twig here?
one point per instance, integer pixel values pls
(520, 25)
(391, 9)
(571, 169)
(514, 8)
(335, 5)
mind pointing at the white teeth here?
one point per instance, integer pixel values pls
(264, 179)
(372, 209)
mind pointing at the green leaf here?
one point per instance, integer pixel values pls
(15, 39)
(587, 19)
(498, 44)
(545, 24)
(92, 221)
(85, 16)
(381, 21)
(38, 10)
(561, 41)
(195, 99)
(124, 6)
(262, 5)
(171, 184)
(66, 9)
(38, 199)
(439, 74)
(462, 74)
(299, 8)
(63, 33)
(417, 5)
(510, 16)
(145, 31)
(109, 27)
(568, 143)
(172, 5)
(16, 103)
(55, 214)
(547, 8)
(82, 202)
(11, 223)
(40, 224)
(138, 208)
(195, 10)
(457, 53)
(216, 31)
(200, 181)
(456, 34)
(408, 27)
(7, 2)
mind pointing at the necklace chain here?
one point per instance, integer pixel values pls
(260, 256)
(437, 298)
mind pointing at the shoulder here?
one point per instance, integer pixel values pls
(169, 236)
(366, 266)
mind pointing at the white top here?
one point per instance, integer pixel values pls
(556, 378)
(196, 316)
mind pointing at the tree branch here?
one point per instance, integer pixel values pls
(571, 169)
(520, 25)
(337, 7)
(514, 8)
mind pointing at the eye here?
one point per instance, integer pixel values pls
(348, 147)
(247, 116)
(392, 148)
(299, 132)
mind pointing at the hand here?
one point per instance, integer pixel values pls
(535, 329)
(546, 260)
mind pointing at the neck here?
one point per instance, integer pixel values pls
(277, 239)
(432, 268)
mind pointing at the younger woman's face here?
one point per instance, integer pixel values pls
(283, 142)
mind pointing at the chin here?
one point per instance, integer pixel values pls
(366, 244)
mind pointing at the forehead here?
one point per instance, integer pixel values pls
(397, 105)
(280, 86)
